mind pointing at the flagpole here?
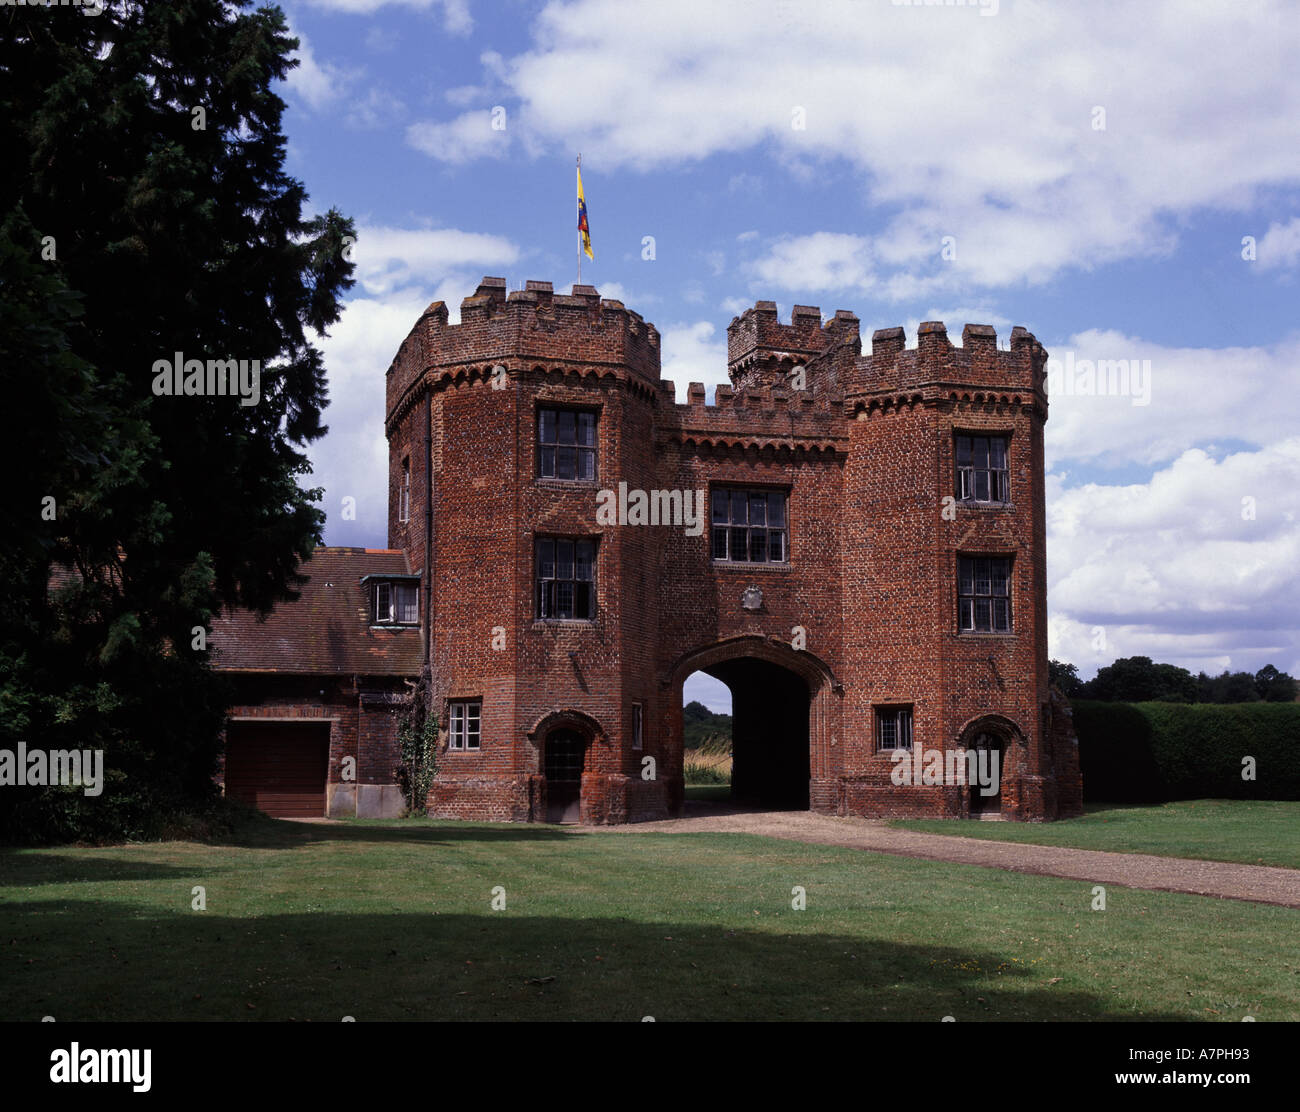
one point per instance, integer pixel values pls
(579, 182)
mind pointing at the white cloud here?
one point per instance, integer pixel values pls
(470, 135)
(1039, 192)
(390, 259)
(1197, 396)
(456, 18)
(1180, 568)
(821, 261)
(317, 83)
(617, 291)
(461, 95)
(352, 459)
(399, 272)
(1280, 246)
(693, 353)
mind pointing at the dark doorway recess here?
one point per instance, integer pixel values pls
(769, 747)
(562, 758)
(981, 804)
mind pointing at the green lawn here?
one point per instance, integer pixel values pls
(392, 921)
(709, 793)
(1255, 833)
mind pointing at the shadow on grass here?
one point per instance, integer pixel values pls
(20, 865)
(258, 831)
(244, 828)
(27, 870)
(82, 960)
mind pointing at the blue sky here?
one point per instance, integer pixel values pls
(1097, 167)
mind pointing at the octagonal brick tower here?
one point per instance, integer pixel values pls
(481, 386)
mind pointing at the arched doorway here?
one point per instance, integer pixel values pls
(769, 734)
(994, 742)
(784, 718)
(985, 774)
(563, 755)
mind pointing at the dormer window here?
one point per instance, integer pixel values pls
(396, 602)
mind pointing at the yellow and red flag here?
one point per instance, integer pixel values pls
(582, 216)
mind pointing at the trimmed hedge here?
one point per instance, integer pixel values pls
(1156, 752)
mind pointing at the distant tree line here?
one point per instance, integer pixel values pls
(1137, 679)
(701, 725)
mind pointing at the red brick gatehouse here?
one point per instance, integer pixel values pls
(854, 544)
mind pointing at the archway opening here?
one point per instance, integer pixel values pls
(768, 765)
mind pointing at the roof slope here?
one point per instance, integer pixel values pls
(327, 630)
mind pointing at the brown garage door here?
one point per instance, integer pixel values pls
(278, 767)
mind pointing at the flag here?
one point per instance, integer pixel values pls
(582, 219)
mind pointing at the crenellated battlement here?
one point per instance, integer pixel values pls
(761, 351)
(936, 362)
(534, 324)
(760, 414)
(805, 369)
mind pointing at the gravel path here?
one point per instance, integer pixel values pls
(1258, 883)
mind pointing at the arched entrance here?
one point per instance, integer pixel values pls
(563, 753)
(564, 739)
(784, 711)
(993, 740)
(985, 790)
(769, 733)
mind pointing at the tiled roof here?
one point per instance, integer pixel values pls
(327, 631)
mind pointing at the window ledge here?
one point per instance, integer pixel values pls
(974, 504)
(567, 484)
(575, 623)
(736, 565)
(394, 625)
(986, 635)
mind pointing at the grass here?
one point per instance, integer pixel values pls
(1247, 831)
(709, 764)
(393, 921)
(709, 793)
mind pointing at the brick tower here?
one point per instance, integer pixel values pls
(853, 544)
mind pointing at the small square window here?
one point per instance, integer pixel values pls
(465, 724)
(893, 728)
